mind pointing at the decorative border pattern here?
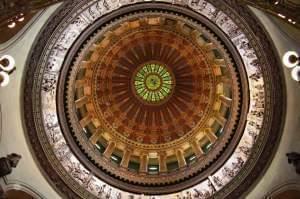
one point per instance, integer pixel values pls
(265, 111)
(197, 172)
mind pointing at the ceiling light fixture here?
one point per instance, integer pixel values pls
(291, 59)
(281, 15)
(21, 19)
(4, 79)
(296, 73)
(7, 66)
(11, 25)
(7, 63)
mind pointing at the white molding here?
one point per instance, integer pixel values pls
(289, 185)
(21, 186)
(8, 44)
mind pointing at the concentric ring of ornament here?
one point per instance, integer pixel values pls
(114, 93)
(60, 156)
(153, 82)
(205, 82)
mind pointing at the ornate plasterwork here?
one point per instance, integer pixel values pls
(202, 75)
(62, 158)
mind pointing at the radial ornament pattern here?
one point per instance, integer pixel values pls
(130, 97)
(153, 82)
(130, 129)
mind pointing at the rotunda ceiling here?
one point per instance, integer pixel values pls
(131, 97)
(152, 92)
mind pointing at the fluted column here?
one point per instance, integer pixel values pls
(219, 62)
(96, 136)
(80, 83)
(126, 158)
(208, 46)
(86, 64)
(179, 26)
(180, 158)
(85, 121)
(195, 34)
(162, 162)
(220, 119)
(197, 148)
(226, 101)
(82, 101)
(210, 135)
(144, 162)
(109, 149)
(224, 79)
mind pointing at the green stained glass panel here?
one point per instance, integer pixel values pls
(153, 82)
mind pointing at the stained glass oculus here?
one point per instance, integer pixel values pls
(153, 82)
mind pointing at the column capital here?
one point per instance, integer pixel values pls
(126, 157)
(109, 149)
(180, 158)
(144, 158)
(196, 148)
(210, 135)
(96, 136)
(162, 161)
